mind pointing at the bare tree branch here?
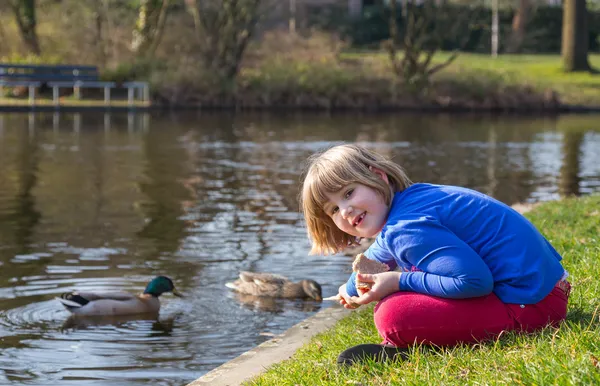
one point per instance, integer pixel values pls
(225, 29)
(425, 26)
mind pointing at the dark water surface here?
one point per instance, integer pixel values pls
(99, 202)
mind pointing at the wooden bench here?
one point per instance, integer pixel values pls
(64, 76)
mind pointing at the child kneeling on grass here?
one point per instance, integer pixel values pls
(469, 265)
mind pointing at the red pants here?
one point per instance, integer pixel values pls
(405, 318)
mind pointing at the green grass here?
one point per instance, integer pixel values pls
(316, 78)
(568, 355)
(363, 79)
(70, 102)
(541, 72)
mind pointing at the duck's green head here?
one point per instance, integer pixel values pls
(159, 285)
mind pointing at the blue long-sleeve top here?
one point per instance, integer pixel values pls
(457, 243)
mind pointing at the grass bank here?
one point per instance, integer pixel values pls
(47, 102)
(365, 81)
(566, 355)
(290, 72)
(540, 72)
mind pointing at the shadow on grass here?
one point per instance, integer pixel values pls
(583, 318)
(577, 316)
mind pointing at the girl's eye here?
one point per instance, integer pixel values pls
(348, 193)
(334, 210)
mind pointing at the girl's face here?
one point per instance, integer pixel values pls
(358, 209)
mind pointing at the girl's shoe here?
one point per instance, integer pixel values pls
(376, 352)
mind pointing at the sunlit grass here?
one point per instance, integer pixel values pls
(568, 355)
(541, 72)
(71, 102)
(366, 79)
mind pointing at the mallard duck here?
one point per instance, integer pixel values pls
(118, 303)
(276, 286)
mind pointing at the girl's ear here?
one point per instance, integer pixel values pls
(383, 175)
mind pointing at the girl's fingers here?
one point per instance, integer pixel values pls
(348, 304)
(366, 298)
(365, 277)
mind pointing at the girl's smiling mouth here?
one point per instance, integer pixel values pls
(359, 219)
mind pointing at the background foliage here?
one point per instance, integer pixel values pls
(544, 27)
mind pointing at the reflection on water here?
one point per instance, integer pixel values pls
(569, 177)
(275, 305)
(79, 322)
(107, 202)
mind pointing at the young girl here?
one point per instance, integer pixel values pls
(469, 265)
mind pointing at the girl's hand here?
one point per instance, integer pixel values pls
(346, 299)
(384, 284)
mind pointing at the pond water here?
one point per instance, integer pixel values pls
(106, 202)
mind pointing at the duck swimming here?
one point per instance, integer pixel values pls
(118, 303)
(277, 286)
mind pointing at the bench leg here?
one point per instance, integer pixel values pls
(1, 91)
(106, 96)
(32, 95)
(55, 96)
(130, 96)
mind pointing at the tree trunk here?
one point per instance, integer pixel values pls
(100, 40)
(575, 36)
(149, 26)
(355, 8)
(424, 26)
(24, 11)
(5, 45)
(495, 41)
(519, 26)
(111, 48)
(225, 28)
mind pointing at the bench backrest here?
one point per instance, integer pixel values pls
(47, 73)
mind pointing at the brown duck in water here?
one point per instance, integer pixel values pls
(276, 286)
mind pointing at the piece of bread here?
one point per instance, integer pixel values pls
(362, 264)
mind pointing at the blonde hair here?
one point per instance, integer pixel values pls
(330, 171)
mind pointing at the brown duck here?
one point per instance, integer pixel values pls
(276, 286)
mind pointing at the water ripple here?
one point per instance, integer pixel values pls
(200, 200)
(30, 317)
